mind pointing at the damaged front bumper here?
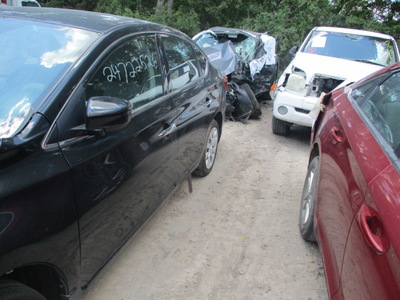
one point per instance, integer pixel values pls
(294, 108)
(295, 99)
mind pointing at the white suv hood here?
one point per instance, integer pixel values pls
(338, 68)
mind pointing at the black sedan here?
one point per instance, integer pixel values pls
(101, 118)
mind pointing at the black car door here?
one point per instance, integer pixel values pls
(120, 177)
(194, 94)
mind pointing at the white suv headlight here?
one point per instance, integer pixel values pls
(296, 82)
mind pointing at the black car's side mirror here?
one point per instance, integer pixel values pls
(107, 113)
(293, 51)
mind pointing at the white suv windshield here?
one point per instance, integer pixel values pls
(353, 47)
(33, 58)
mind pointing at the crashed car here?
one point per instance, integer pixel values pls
(254, 62)
(248, 60)
(329, 58)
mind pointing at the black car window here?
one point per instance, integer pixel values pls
(132, 72)
(383, 109)
(182, 62)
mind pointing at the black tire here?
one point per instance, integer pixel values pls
(13, 290)
(210, 152)
(256, 112)
(308, 198)
(280, 127)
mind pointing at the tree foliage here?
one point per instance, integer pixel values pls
(288, 21)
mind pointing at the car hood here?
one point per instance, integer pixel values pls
(348, 70)
(223, 57)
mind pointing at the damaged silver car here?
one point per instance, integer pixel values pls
(246, 56)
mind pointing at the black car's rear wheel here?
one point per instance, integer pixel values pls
(308, 198)
(210, 152)
(13, 290)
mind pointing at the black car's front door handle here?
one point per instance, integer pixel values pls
(171, 128)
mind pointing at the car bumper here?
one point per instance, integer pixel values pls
(294, 108)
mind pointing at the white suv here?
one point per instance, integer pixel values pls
(329, 57)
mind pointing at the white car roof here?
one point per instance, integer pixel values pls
(353, 31)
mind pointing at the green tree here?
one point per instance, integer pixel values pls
(288, 21)
(377, 15)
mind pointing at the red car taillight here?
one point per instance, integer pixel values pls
(225, 79)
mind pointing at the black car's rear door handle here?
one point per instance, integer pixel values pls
(208, 102)
(171, 128)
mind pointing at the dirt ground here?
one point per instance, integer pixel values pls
(235, 237)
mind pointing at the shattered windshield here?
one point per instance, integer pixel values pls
(353, 47)
(245, 47)
(33, 57)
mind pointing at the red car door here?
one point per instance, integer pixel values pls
(371, 266)
(341, 186)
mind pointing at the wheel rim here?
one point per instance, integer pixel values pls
(308, 197)
(212, 144)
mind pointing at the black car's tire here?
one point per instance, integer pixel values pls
(256, 112)
(308, 198)
(13, 290)
(210, 152)
(280, 127)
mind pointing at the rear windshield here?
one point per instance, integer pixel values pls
(33, 58)
(353, 47)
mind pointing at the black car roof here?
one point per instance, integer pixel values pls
(88, 20)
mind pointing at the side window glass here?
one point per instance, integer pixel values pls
(383, 109)
(182, 62)
(132, 72)
(359, 94)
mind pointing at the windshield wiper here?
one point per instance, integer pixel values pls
(370, 62)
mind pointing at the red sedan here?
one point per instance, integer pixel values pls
(350, 202)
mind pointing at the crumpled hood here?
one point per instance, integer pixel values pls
(223, 57)
(348, 70)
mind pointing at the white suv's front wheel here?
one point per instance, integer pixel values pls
(280, 127)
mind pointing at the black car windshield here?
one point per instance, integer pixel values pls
(353, 47)
(33, 58)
